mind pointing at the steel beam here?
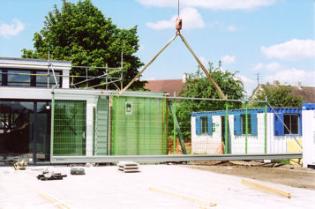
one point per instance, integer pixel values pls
(171, 158)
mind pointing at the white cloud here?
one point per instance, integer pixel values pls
(11, 29)
(293, 76)
(191, 19)
(269, 66)
(228, 59)
(231, 28)
(291, 50)
(211, 4)
(287, 75)
(249, 84)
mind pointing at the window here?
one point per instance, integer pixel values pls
(249, 125)
(240, 124)
(291, 124)
(204, 125)
(19, 78)
(69, 128)
(287, 123)
(27, 78)
(42, 80)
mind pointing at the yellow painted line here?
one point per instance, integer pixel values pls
(54, 201)
(265, 188)
(203, 204)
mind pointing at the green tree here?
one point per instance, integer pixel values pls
(198, 86)
(278, 96)
(80, 33)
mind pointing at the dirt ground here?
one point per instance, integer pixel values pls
(288, 175)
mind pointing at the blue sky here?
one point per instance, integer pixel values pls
(275, 38)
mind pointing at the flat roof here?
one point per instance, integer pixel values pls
(22, 63)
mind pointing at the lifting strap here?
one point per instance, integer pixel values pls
(147, 65)
(180, 134)
(204, 69)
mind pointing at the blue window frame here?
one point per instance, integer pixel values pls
(240, 124)
(204, 125)
(287, 124)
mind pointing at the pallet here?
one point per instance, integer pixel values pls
(128, 166)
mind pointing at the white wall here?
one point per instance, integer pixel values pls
(308, 137)
(203, 144)
(206, 144)
(255, 144)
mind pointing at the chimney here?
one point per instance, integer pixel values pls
(299, 85)
(184, 78)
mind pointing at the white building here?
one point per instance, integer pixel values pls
(277, 130)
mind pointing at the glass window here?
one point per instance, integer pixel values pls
(204, 125)
(47, 81)
(19, 78)
(291, 124)
(69, 128)
(249, 125)
(0, 77)
(15, 128)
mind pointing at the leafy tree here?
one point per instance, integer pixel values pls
(278, 96)
(80, 33)
(198, 86)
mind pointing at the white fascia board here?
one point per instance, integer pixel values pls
(34, 64)
(25, 93)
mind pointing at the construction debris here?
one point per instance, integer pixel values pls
(265, 188)
(20, 164)
(77, 171)
(50, 175)
(128, 166)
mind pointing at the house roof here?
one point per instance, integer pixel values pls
(172, 87)
(306, 92)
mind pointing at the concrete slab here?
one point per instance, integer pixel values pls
(106, 187)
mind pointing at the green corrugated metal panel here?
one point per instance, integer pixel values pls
(138, 126)
(101, 124)
(69, 128)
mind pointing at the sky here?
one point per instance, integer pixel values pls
(266, 39)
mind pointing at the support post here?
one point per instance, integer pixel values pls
(106, 78)
(226, 133)
(174, 129)
(246, 128)
(52, 119)
(265, 128)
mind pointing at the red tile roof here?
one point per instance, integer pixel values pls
(172, 87)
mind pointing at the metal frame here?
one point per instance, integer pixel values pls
(171, 158)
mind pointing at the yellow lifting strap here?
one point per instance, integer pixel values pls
(212, 81)
(147, 65)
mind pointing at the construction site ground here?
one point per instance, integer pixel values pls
(291, 175)
(156, 186)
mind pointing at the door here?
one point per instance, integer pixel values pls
(225, 133)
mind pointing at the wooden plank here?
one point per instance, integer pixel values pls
(201, 203)
(265, 188)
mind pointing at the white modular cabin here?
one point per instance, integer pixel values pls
(268, 131)
(308, 138)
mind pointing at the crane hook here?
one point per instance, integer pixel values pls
(179, 25)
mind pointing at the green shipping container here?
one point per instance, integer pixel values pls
(138, 126)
